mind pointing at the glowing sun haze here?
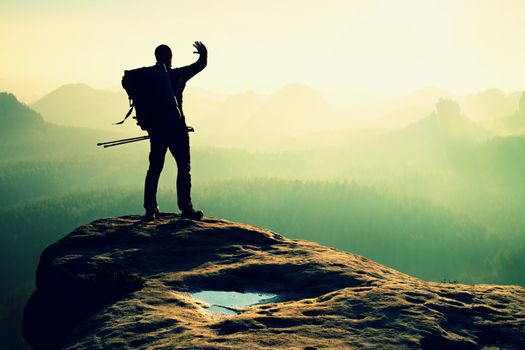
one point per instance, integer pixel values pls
(340, 47)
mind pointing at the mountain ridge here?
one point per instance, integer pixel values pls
(14, 113)
(27, 135)
(83, 106)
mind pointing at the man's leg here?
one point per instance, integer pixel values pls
(158, 147)
(180, 149)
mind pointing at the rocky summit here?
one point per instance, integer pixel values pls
(123, 283)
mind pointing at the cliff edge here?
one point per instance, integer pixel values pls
(122, 283)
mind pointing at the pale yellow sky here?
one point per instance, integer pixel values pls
(340, 47)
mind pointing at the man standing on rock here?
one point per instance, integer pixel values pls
(176, 139)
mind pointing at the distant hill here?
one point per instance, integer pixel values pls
(294, 109)
(293, 117)
(489, 104)
(264, 122)
(514, 122)
(427, 95)
(444, 135)
(408, 109)
(15, 115)
(404, 116)
(83, 106)
(25, 135)
(486, 105)
(231, 113)
(445, 124)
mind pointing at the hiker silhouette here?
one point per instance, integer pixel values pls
(173, 136)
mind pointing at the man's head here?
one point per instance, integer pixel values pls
(163, 55)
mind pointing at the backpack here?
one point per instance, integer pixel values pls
(151, 95)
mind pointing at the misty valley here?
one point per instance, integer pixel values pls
(439, 195)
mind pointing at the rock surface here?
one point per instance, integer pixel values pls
(121, 283)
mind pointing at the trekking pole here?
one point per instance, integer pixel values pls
(131, 139)
(124, 142)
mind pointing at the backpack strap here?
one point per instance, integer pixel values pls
(131, 105)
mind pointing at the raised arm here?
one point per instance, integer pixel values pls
(187, 72)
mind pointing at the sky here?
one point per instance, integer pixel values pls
(342, 48)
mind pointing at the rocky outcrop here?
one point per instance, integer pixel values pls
(121, 283)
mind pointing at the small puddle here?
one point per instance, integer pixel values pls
(226, 303)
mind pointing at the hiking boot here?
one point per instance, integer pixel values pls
(191, 214)
(152, 214)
